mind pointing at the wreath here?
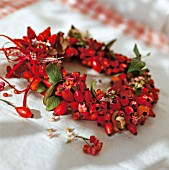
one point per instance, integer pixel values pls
(127, 103)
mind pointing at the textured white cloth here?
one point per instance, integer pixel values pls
(24, 144)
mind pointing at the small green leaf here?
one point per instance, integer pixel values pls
(41, 87)
(148, 54)
(138, 92)
(136, 65)
(92, 88)
(52, 102)
(48, 93)
(109, 44)
(53, 72)
(137, 53)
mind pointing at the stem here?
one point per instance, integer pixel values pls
(20, 91)
(25, 97)
(81, 137)
(16, 66)
(85, 139)
(7, 102)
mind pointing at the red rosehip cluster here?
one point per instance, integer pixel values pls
(95, 54)
(94, 147)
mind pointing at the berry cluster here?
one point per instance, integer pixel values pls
(127, 103)
(95, 146)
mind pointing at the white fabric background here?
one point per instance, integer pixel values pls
(24, 144)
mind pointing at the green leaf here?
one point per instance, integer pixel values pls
(148, 54)
(48, 93)
(137, 53)
(92, 88)
(53, 72)
(109, 44)
(41, 87)
(52, 102)
(136, 65)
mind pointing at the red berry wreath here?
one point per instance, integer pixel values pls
(128, 102)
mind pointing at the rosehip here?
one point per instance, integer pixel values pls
(124, 100)
(88, 96)
(84, 115)
(151, 113)
(82, 86)
(30, 32)
(76, 116)
(134, 104)
(74, 106)
(67, 95)
(93, 116)
(78, 95)
(129, 111)
(143, 111)
(108, 128)
(100, 121)
(61, 108)
(107, 117)
(132, 128)
(115, 104)
(96, 65)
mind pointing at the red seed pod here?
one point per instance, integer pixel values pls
(93, 150)
(84, 115)
(46, 33)
(74, 105)
(78, 95)
(128, 119)
(142, 120)
(96, 65)
(116, 70)
(121, 58)
(46, 82)
(88, 96)
(35, 84)
(82, 86)
(107, 117)
(122, 67)
(151, 113)
(108, 128)
(5, 94)
(52, 39)
(76, 116)
(90, 52)
(27, 74)
(24, 112)
(92, 139)
(85, 148)
(109, 71)
(82, 78)
(115, 104)
(143, 110)
(134, 104)
(30, 32)
(132, 128)
(100, 121)
(114, 63)
(72, 40)
(124, 100)
(103, 105)
(61, 108)
(129, 110)
(121, 113)
(69, 52)
(106, 62)
(67, 95)
(93, 117)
